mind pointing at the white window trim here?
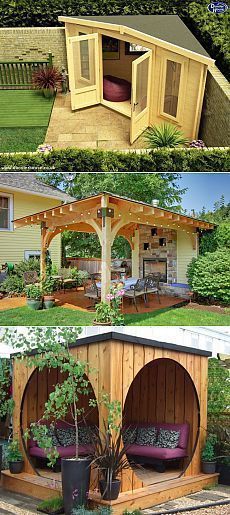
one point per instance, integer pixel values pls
(28, 252)
(11, 211)
(182, 87)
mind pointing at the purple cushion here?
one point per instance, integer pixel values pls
(63, 451)
(183, 428)
(116, 89)
(156, 452)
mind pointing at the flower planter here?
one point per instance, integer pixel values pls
(75, 482)
(110, 492)
(48, 301)
(34, 304)
(48, 92)
(208, 467)
(101, 323)
(16, 466)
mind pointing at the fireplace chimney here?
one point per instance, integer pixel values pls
(155, 202)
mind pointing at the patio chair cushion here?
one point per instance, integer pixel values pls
(168, 439)
(146, 435)
(156, 452)
(63, 452)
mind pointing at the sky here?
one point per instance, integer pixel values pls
(204, 189)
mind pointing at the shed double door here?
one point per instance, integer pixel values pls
(84, 78)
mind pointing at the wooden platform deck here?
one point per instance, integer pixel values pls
(76, 300)
(44, 488)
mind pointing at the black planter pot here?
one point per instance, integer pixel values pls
(224, 471)
(16, 466)
(75, 482)
(208, 467)
(110, 492)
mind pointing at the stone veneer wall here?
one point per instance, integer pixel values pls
(168, 252)
(215, 118)
(32, 44)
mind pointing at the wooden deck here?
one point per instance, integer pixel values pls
(76, 300)
(44, 488)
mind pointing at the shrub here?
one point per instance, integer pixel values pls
(13, 451)
(218, 238)
(46, 78)
(93, 161)
(27, 266)
(12, 285)
(218, 389)
(165, 135)
(209, 276)
(33, 292)
(208, 453)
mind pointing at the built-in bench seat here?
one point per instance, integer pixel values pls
(157, 443)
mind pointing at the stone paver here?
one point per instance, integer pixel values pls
(92, 127)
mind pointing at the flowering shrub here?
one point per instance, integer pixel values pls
(115, 298)
(197, 143)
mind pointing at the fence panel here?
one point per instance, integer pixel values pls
(18, 74)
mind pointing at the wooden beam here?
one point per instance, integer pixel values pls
(106, 252)
(135, 253)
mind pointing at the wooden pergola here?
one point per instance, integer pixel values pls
(108, 215)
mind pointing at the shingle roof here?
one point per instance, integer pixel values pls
(31, 183)
(167, 27)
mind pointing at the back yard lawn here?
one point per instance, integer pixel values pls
(68, 317)
(24, 118)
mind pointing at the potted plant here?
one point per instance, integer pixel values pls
(15, 458)
(53, 350)
(53, 506)
(110, 313)
(208, 460)
(33, 296)
(109, 457)
(47, 79)
(48, 288)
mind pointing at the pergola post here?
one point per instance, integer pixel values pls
(105, 249)
(135, 253)
(43, 252)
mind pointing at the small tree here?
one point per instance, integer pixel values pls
(50, 348)
(218, 389)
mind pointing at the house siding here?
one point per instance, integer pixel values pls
(14, 243)
(185, 253)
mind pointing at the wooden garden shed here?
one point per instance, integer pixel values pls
(155, 382)
(157, 55)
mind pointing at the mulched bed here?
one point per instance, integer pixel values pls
(202, 307)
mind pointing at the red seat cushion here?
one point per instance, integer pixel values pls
(64, 452)
(156, 452)
(116, 89)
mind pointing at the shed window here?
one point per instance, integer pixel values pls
(84, 53)
(5, 212)
(172, 85)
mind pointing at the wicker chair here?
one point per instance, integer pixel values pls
(135, 291)
(31, 277)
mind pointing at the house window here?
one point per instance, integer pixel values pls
(6, 212)
(32, 254)
(172, 86)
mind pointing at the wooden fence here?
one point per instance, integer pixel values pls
(18, 74)
(91, 265)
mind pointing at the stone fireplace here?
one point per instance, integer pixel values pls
(158, 252)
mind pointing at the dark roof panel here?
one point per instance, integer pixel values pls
(169, 28)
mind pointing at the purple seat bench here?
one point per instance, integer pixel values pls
(159, 456)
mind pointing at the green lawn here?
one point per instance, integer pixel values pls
(61, 316)
(21, 139)
(24, 108)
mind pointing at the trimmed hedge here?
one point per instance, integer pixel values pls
(211, 30)
(78, 160)
(209, 276)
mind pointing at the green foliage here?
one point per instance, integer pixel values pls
(218, 389)
(50, 505)
(93, 161)
(165, 135)
(27, 266)
(82, 510)
(6, 402)
(48, 285)
(12, 284)
(209, 276)
(218, 238)
(33, 292)
(103, 313)
(220, 427)
(13, 451)
(208, 452)
(111, 312)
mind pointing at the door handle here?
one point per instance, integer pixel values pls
(134, 105)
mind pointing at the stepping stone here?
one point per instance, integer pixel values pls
(206, 496)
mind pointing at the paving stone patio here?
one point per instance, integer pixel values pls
(93, 127)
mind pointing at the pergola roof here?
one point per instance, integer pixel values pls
(79, 214)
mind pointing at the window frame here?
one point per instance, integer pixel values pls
(10, 196)
(183, 61)
(33, 253)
